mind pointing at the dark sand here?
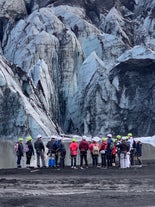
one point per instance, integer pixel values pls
(90, 187)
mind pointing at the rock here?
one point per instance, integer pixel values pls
(21, 115)
(70, 56)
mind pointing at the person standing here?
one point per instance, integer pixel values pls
(139, 152)
(124, 149)
(94, 150)
(132, 150)
(118, 141)
(103, 148)
(19, 152)
(83, 147)
(40, 150)
(73, 153)
(110, 146)
(62, 153)
(29, 152)
(114, 151)
(57, 154)
(51, 152)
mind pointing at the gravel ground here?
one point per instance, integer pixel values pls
(91, 187)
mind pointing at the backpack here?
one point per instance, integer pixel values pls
(112, 145)
(95, 150)
(26, 148)
(16, 146)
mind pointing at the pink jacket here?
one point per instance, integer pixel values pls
(73, 148)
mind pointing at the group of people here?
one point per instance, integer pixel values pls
(56, 152)
(125, 149)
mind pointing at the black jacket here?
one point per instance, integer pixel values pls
(39, 146)
(52, 147)
(31, 150)
(124, 147)
(20, 149)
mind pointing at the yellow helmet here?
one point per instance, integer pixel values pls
(127, 137)
(118, 136)
(29, 138)
(104, 139)
(73, 140)
(20, 139)
(129, 134)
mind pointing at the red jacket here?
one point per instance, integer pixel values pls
(103, 145)
(73, 148)
(114, 150)
(83, 146)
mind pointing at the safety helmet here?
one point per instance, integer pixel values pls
(123, 138)
(39, 136)
(20, 139)
(73, 140)
(104, 139)
(118, 136)
(29, 138)
(84, 137)
(109, 135)
(129, 134)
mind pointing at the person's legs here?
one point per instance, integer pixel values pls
(19, 161)
(96, 160)
(128, 160)
(38, 160)
(28, 160)
(81, 159)
(93, 160)
(113, 159)
(62, 162)
(85, 159)
(74, 160)
(132, 154)
(109, 160)
(49, 162)
(122, 160)
(139, 160)
(103, 160)
(43, 159)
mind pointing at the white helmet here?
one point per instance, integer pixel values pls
(59, 138)
(123, 138)
(84, 137)
(39, 136)
(109, 135)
